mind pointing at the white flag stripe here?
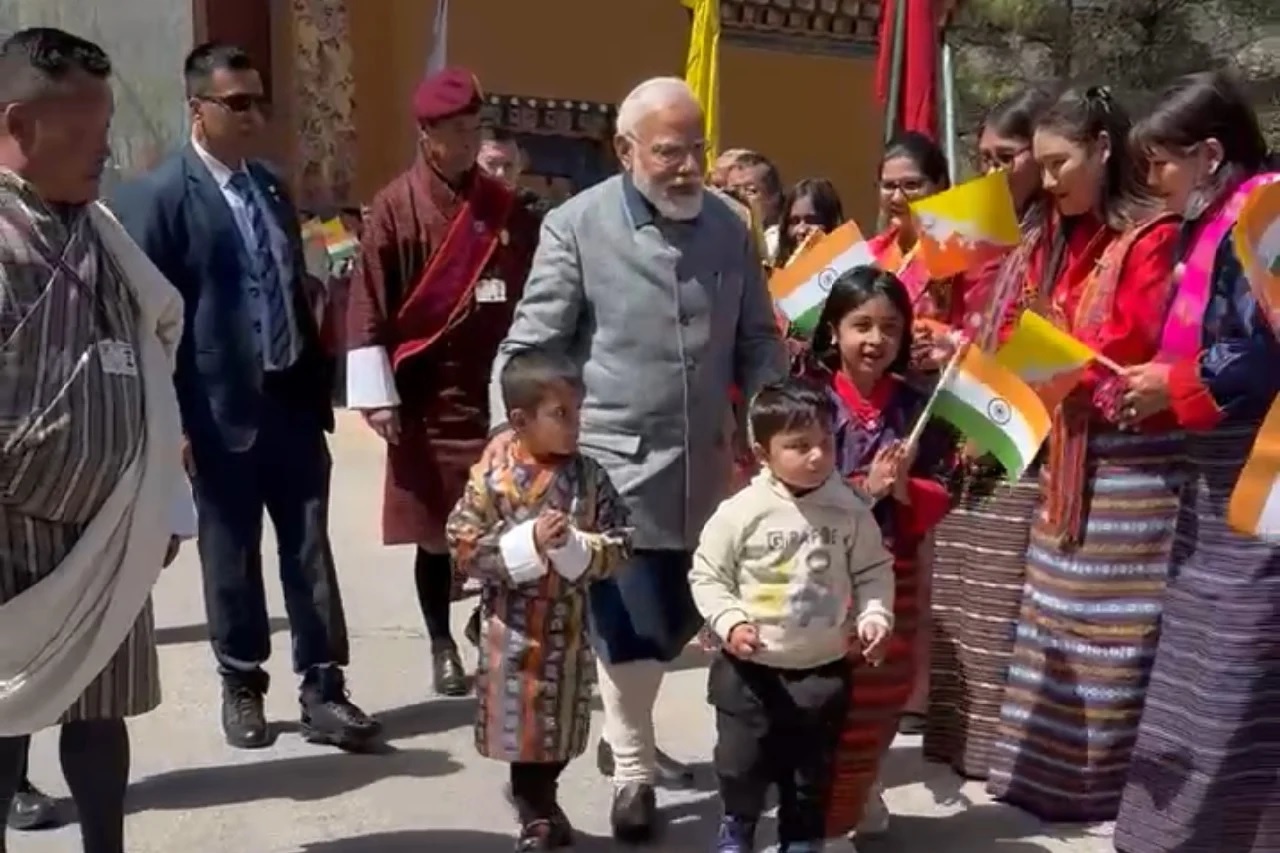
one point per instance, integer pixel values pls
(973, 393)
(1268, 526)
(814, 291)
(439, 56)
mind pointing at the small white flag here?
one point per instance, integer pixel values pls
(439, 56)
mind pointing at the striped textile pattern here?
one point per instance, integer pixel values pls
(980, 558)
(1087, 634)
(267, 274)
(68, 429)
(1203, 777)
(879, 695)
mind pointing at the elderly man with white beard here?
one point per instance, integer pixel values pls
(654, 287)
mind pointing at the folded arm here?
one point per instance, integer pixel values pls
(487, 548)
(589, 556)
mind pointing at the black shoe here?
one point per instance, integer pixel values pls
(243, 720)
(32, 809)
(561, 829)
(671, 773)
(535, 835)
(472, 631)
(328, 716)
(634, 815)
(447, 673)
(911, 723)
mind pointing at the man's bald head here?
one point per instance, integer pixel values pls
(55, 112)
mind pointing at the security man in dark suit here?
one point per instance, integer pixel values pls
(254, 385)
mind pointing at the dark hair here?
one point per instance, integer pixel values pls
(205, 59)
(751, 159)
(924, 153)
(825, 199)
(1206, 105)
(493, 133)
(788, 405)
(1082, 116)
(36, 59)
(849, 292)
(1015, 117)
(528, 373)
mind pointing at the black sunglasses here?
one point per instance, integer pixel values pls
(239, 103)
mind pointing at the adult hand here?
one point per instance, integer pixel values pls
(496, 448)
(744, 640)
(385, 422)
(1146, 393)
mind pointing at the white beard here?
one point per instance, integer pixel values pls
(680, 209)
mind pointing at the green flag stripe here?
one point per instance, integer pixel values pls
(978, 427)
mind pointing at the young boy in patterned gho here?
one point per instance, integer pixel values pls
(537, 526)
(779, 569)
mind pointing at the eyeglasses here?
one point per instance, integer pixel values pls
(673, 154)
(1001, 158)
(909, 187)
(240, 102)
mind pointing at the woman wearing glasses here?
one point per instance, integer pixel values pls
(812, 208)
(980, 549)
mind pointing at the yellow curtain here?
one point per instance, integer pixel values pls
(702, 68)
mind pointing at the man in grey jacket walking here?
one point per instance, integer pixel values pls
(655, 288)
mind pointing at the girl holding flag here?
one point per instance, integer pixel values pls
(1203, 777)
(980, 548)
(1103, 528)
(860, 350)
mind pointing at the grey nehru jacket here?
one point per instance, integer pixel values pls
(663, 318)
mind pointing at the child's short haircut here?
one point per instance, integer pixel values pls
(789, 405)
(528, 373)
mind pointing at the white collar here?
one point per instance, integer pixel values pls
(221, 173)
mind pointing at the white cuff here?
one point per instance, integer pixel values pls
(572, 560)
(182, 511)
(370, 382)
(876, 613)
(520, 555)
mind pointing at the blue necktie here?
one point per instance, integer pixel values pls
(267, 273)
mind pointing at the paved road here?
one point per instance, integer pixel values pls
(430, 792)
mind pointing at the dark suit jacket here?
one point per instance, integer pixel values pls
(178, 215)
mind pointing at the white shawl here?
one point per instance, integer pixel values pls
(60, 634)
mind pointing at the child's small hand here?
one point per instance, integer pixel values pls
(883, 471)
(551, 530)
(744, 640)
(904, 458)
(874, 634)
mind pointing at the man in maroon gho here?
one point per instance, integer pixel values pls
(443, 259)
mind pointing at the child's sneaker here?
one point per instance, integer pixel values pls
(536, 835)
(803, 847)
(737, 835)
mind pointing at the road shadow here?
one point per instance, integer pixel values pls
(443, 840)
(307, 778)
(181, 635)
(427, 718)
(982, 828)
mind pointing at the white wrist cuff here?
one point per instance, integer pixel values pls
(572, 560)
(520, 555)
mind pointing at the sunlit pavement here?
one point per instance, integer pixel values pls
(429, 791)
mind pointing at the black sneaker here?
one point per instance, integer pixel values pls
(634, 815)
(535, 835)
(328, 716)
(447, 674)
(244, 722)
(32, 809)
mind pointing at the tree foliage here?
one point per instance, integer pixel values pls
(1134, 46)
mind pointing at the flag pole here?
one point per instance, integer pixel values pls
(949, 104)
(896, 57)
(952, 366)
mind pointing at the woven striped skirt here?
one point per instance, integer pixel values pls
(1206, 769)
(979, 561)
(879, 694)
(1086, 636)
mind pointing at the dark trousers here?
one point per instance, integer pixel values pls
(286, 473)
(533, 789)
(779, 727)
(95, 761)
(646, 610)
(433, 577)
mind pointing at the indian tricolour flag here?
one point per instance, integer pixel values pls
(800, 288)
(994, 409)
(1254, 509)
